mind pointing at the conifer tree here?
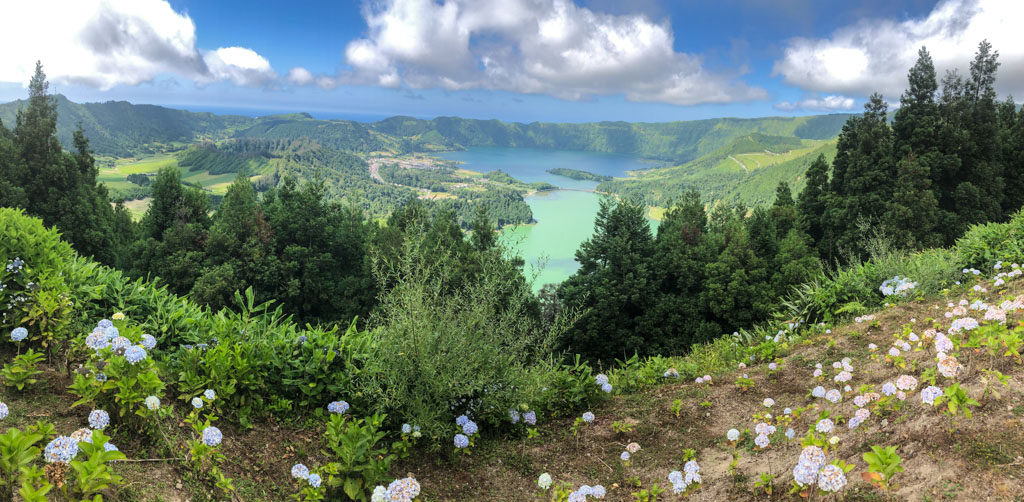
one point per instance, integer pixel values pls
(811, 202)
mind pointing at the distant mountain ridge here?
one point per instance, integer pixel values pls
(119, 128)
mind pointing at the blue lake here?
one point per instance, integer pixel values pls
(565, 218)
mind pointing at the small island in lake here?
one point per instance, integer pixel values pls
(576, 174)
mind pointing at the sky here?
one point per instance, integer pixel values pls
(514, 60)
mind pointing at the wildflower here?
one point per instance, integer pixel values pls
(96, 341)
(906, 382)
(148, 342)
(824, 426)
(768, 402)
(62, 449)
(624, 456)
(606, 387)
(513, 416)
(4, 411)
(99, 419)
(119, 343)
(300, 471)
(633, 447)
(818, 391)
(212, 436)
(18, 334)
(732, 435)
(135, 354)
(314, 480)
(929, 394)
(831, 479)
(405, 489)
(152, 402)
(469, 428)
(588, 417)
(530, 418)
(601, 379)
(949, 367)
(380, 494)
(337, 407)
(762, 441)
(461, 441)
(888, 389)
(118, 316)
(544, 481)
(833, 396)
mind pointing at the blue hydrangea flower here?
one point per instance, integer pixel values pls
(148, 342)
(3, 411)
(210, 394)
(119, 343)
(598, 492)
(19, 334)
(62, 450)
(197, 403)
(406, 428)
(624, 456)
(461, 441)
(588, 417)
(469, 428)
(300, 471)
(530, 418)
(135, 354)
(461, 420)
(314, 480)
(212, 436)
(152, 403)
(339, 407)
(607, 387)
(105, 323)
(513, 416)
(108, 446)
(112, 333)
(96, 341)
(101, 377)
(99, 419)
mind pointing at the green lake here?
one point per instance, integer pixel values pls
(565, 218)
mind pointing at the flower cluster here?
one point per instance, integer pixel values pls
(682, 482)
(602, 380)
(62, 450)
(18, 334)
(338, 407)
(811, 461)
(99, 419)
(400, 490)
(212, 436)
(897, 286)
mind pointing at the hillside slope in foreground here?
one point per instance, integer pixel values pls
(889, 361)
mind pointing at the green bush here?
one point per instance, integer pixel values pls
(983, 245)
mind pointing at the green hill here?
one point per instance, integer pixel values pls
(123, 129)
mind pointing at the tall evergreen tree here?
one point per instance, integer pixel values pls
(861, 185)
(912, 213)
(613, 285)
(811, 203)
(675, 316)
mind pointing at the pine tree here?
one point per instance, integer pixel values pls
(811, 202)
(675, 316)
(912, 213)
(483, 230)
(783, 210)
(613, 285)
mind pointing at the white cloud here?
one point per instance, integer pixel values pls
(875, 54)
(300, 76)
(530, 46)
(103, 43)
(827, 104)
